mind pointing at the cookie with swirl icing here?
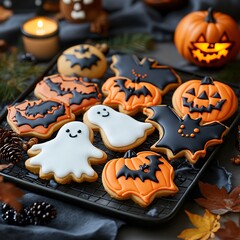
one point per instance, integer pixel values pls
(39, 118)
(119, 131)
(75, 91)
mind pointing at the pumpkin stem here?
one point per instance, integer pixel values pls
(130, 154)
(136, 79)
(207, 80)
(210, 18)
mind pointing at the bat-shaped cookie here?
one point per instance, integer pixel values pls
(147, 70)
(183, 136)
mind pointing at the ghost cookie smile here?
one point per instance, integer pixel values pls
(68, 157)
(119, 131)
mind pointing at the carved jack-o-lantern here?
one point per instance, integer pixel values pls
(207, 38)
(208, 99)
(79, 11)
(140, 176)
(82, 60)
(130, 95)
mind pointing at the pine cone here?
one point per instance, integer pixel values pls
(42, 213)
(11, 153)
(8, 136)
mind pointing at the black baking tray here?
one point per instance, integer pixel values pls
(93, 196)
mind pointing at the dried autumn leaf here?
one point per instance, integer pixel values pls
(206, 226)
(219, 201)
(10, 194)
(230, 232)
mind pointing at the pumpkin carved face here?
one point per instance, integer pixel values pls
(208, 99)
(140, 176)
(214, 41)
(79, 11)
(131, 95)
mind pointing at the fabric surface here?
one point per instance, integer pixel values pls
(70, 223)
(128, 16)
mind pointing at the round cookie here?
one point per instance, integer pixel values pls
(208, 99)
(68, 157)
(82, 60)
(142, 177)
(119, 131)
(74, 91)
(39, 118)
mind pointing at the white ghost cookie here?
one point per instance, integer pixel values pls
(67, 157)
(119, 131)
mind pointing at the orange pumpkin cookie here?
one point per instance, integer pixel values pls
(82, 60)
(38, 118)
(141, 177)
(130, 96)
(208, 99)
(80, 95)
(183, 137)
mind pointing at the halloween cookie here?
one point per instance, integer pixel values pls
(82, 60)
(185, 136)
(39, 118)
(141, 177)
(119, 131)
(80, 95)
(137, 84)
(146, 70)
(68, 157)
(208, 99)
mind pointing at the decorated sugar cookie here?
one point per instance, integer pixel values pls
(146, 70)
(82, 60)
(67, 157)
(119, 131)
(39, 118)
(183, 136)
(80, 95)
(211, 100)
(141, 176)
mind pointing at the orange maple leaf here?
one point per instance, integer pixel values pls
(206, 226)
(219, 201)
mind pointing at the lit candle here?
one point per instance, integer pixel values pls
(40, 37)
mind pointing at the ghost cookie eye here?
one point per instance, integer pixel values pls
(79, 131)
(67, 130)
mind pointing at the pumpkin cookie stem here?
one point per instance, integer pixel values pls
(210, 18)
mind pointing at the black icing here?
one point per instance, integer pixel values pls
(170, 123)
(160, 77)
(151, 168)
(131, 91)
(44, 120)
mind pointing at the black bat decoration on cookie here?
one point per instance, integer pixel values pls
(131, 91)
(148, 70)
(77, 97)
(146, 171)
(84, 62)
(179, 134)
(44, 121)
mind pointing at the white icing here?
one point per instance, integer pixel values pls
(87, 2)
(67, 1)
(77, 6)
(78, 15)
(120, 129)
(68, 152)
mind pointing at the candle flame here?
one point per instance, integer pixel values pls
(40, 23)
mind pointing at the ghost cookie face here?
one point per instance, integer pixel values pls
(82, 60)
(119, 131)
(140, 176)
(80, 11)
(67, 157)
